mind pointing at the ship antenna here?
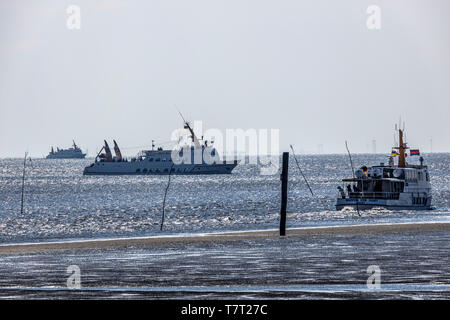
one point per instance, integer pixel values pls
(187, 126)
(350, 156)
(180, 114)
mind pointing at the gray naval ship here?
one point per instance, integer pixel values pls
(400, 186)
(188, 160)
(71, 153)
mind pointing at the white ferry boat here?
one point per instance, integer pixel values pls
(399, 186)
(71, 153)
(189, 160)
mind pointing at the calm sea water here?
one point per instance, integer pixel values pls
(61, 203)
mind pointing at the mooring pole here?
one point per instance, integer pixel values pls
(284, 186)
(23, 182)
(164, 200)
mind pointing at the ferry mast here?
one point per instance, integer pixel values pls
(401, 150)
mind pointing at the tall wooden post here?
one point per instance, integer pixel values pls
(284, 186)
(23, 181)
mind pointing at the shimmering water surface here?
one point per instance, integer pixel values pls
(61, 203)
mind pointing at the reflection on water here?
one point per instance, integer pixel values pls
(60, 203)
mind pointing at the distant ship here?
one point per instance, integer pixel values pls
(160, 162)
(403, 186)
(71, 153)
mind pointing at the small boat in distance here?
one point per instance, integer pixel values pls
(71, 153)
(197, 159)
(403, 186)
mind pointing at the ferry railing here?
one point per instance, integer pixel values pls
(378, 195)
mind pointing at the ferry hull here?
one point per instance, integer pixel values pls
(54, 156)
(367, 204)
(124, 168)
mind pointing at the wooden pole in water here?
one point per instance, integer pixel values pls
(164, 200)
(23, 182)
(298, 166)
(353, 170)
(284, 186)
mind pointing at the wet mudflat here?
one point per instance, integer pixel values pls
(413, 266)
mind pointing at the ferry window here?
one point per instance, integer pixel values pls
(157, 159)
(151, 159)
(138, 170)
(378, 186)
(365, 185)
(144, 171)
(428, 177)
(165, 170)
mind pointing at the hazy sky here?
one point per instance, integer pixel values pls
(309, 68)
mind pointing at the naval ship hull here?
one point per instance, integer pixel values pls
(140, 168)
(57, 156)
